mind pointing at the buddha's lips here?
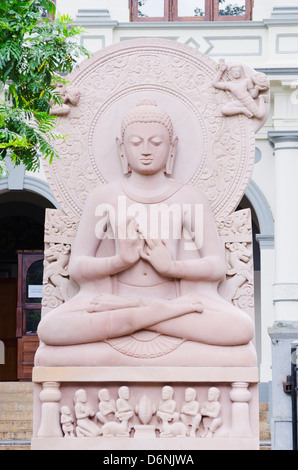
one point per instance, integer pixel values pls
(146, 161)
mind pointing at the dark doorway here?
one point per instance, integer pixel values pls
(22, 217)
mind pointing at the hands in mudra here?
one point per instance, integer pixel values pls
(137, 245)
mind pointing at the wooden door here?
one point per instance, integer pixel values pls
(30, 273)
(8, 304)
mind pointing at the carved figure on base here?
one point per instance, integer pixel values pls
(67, 422)
(189, 414)
(106, 406)
(124, 410)
(85, 426)
(210, 412)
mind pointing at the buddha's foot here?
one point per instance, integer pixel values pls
(105, 302)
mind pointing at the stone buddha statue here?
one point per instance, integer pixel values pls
(152, 296)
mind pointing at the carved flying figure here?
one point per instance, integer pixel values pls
(69, 95)
(247, 91)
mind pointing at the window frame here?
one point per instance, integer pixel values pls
(136, 18)
(171, 13)
(206, 17)
(246, 17)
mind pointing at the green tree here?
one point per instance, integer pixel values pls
(231, 10)
(36, 51)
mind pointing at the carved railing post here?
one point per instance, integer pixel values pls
(50, 397)
(240, 396)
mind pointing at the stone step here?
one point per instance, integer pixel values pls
(16, 412)
(16, 387)
(19, 406)
(265, 433)
(15, 445)
(265, 445)
(11, 430)
(17, 434)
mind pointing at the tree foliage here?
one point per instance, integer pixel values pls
(36, 51)
(231, 10)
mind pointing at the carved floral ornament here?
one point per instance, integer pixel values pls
(183, 82)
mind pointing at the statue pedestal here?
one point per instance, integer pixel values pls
(144, 429)
(118, 443)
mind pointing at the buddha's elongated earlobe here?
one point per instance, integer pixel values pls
(171, 158)
(124, 163)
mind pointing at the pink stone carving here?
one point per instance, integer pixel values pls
(190, 414)
(147, 264)
(211, 413)
(250, 91)
(67, 422)
(210, 154)
(69, 95)
(84, 414)
(156, 290)
(106, 407)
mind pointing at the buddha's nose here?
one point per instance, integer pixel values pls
(146, 150)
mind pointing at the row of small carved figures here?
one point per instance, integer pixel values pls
(114, 416)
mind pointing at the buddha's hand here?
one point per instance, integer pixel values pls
(158, 255)
(130, 243)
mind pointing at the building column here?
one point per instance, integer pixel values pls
(285, 289)
(266, 318)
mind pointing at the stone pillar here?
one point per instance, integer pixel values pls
(50, 397)
(285, 288)
(266, 317)
(240, 396)
(285, 292)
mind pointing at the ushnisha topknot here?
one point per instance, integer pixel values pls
(147, 111)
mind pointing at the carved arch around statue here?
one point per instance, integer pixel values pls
(215, 153)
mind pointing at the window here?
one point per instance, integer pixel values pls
(191, 10)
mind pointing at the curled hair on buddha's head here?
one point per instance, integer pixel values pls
(147, 111)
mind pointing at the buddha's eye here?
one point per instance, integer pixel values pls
(136, 141)
(156, 141)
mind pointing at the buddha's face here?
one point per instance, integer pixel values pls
(147, 147)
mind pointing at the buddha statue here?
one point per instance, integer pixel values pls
(155, 299)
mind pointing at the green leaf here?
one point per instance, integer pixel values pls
(34, 52)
